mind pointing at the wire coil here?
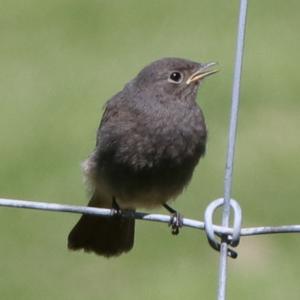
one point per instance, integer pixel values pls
(232, 239)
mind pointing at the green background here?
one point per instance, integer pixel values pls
(61, 60)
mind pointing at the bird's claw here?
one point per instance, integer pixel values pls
(176, 222)
(117, 212)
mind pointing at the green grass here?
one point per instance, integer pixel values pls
(61, 60)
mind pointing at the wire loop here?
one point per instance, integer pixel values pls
(231, 239)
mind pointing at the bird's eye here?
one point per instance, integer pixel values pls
(175, 77)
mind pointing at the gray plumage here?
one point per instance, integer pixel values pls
(151, 137)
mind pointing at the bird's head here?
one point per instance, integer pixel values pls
(175, 78)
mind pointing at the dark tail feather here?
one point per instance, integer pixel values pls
(105, 236)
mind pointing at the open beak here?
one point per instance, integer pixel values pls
(204, 71)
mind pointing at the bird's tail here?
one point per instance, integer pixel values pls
(105, 236)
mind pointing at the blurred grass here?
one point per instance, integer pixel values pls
(61, 60)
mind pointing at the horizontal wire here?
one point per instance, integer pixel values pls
(104, 212)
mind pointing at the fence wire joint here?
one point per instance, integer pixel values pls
(212, 236)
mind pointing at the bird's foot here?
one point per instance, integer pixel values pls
(176, 220)
(117, 212)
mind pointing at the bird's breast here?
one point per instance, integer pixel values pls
(149, 155)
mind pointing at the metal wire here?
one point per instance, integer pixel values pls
(219, 230)
(231, 146)
(234, 238)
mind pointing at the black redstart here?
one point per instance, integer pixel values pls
(151, 137)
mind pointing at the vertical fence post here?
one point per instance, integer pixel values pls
(231, 145)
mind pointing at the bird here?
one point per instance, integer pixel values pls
(149, 141)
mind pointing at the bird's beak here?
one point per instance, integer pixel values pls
(204, 71)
